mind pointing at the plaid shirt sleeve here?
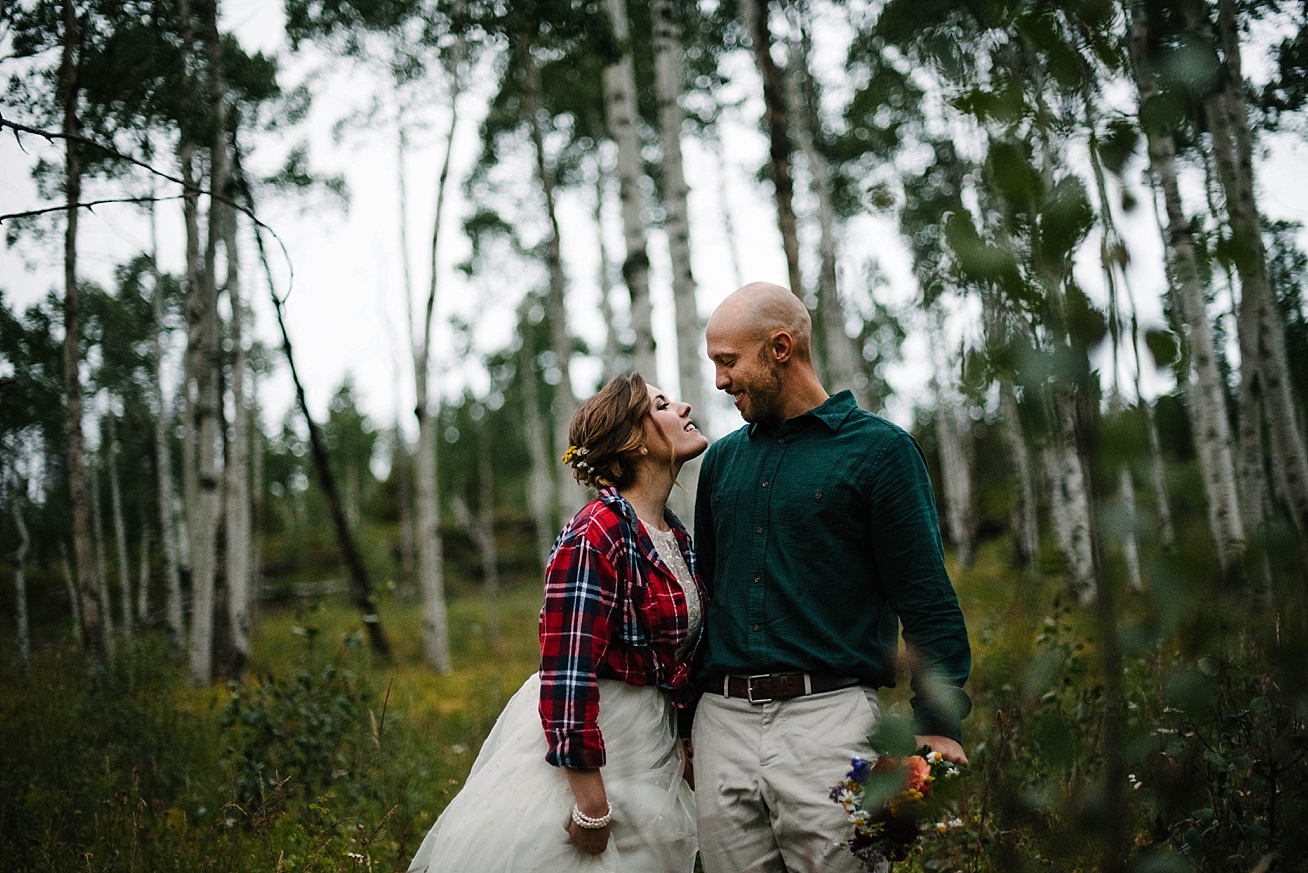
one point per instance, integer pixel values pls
(581, 606)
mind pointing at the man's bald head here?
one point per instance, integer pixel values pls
(759, 311)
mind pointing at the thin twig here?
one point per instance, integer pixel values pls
(88, 205)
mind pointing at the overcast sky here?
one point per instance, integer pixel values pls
(346, 311)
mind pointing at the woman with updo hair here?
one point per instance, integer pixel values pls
(606, 785)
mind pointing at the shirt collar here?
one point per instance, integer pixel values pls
(832, 413)
(623, 507)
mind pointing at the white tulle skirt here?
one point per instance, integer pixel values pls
(512, 813)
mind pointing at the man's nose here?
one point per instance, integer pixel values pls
(721, 380)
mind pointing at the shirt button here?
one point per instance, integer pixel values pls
(817, 495)
(756, 627)
(758, 578)
(760, 530)
(765, 483)
(781, 442)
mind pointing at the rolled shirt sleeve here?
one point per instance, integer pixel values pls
(581, 605)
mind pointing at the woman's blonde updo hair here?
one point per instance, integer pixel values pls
(607, 433)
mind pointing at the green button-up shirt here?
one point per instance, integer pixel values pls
(816, 538)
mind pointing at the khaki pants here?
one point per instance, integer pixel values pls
(763, 773)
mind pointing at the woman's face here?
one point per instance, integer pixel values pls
(669, 433)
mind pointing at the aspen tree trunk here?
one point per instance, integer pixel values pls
(435, 620)
(1131, 551)
(74, 596)
(1157, 479)
(955, 473)
(713, 139)
(143, 575)
(1233, 150)
(776, 115)
(838, 349)
(256, 501)
(565, 401)
(20, 580)
(167, 500)
(205, 338)
(237, 469)
(403, 471)
(103, 601)
(1207, 401)
(1026, 530)
(189, 518)
(408, 534)
(610, 353)
(542, 481)
(1071, 497)
(490, 561)
(669, 78)
(120, 529)
(620, 112)
(93, 634)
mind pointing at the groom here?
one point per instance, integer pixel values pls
(817, 535)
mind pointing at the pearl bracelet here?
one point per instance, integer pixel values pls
(581, 820)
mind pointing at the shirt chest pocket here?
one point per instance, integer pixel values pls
(725, 502)
(820, 514)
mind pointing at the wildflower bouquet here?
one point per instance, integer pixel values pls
(893, 803)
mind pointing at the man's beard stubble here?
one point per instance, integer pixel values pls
(764, 396)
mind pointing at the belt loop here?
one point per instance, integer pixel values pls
(726, 686)
(808, 684)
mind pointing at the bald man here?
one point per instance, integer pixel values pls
(817, 534)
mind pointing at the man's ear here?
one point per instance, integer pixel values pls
(782, 346)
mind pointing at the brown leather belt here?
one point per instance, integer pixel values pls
(767, 687)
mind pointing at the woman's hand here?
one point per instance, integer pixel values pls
(588, 789)
(592, 841)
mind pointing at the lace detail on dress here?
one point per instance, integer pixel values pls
(665, 542)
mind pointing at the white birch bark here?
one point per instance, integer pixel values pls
(20, 582)
(669, 76)
(207, 355)
(237, 469)
(103, 600)
(542, 481)
(620, 114)
(256, 501)
(143, 574)
(1204, 393)
(120, 529)
(1026, 529)
(955, 472)
(1130, 548)
(837, 346)
(605, 276)
(66, 569)
(713, 139)
(1070, 493)
(565, 401)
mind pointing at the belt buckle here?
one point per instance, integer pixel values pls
(749, 688)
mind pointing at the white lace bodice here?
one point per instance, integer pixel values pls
(665, 543)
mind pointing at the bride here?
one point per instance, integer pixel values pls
(601, 787)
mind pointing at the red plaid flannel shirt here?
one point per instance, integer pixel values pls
(613, 610)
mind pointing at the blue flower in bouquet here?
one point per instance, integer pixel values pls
(859, 769)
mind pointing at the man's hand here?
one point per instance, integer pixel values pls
(949, 749)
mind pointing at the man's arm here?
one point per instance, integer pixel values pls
(911, 564)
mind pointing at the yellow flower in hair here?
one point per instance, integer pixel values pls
(570, 455)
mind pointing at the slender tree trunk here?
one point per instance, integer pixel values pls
(838, 349)
(205, 339)
(1207, 401)
(955, 473)
(143, 575)
(436, 633)
(1071, 500)
(777, 115)
(167, 500)
(403, 471)
(713, 139)
(1026, 530)
(1233, 150)
(1130, 549)
(256, 500)
(610, 354)
(542, 482)
(120, 529)
(74, 595)
(490, 561)
(620, 111)
(408, 535)
(94, 637)
(565, 400)
(103, 600)
(1157, 478)
(20, 581)
(237, 469)
(669, 77)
